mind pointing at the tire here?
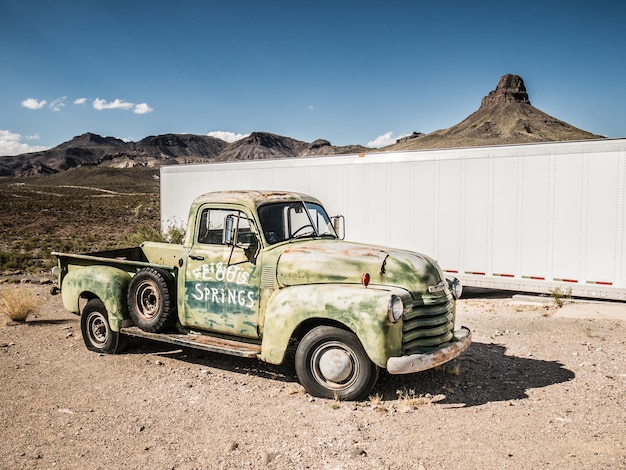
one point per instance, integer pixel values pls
(152, 300)
(331, 363)
(97, 333)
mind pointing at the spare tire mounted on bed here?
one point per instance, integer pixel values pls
(152, 300)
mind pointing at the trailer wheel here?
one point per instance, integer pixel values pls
(152, 300)
(331, 363)
(97, 333)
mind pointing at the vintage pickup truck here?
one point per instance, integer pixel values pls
(261, 273)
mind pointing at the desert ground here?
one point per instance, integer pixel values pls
(541, 387)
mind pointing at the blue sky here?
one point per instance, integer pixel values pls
(346, 71)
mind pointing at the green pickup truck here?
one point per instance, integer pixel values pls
(260, 273)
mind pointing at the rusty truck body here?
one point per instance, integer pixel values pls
(261, 271)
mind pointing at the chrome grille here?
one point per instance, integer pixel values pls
(428, 322)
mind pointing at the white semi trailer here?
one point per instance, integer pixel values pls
(531, 217)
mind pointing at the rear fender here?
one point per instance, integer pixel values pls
(361, 310)
(107, 283)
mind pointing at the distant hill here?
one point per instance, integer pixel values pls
(504, 117)
(169, 149)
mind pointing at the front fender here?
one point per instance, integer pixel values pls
(107, 283)
(362, 310)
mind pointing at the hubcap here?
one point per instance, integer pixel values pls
(335, 365)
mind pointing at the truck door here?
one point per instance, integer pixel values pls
(221, 286)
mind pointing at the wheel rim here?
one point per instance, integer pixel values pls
(98, 329)
(334, 365)
(148, 299)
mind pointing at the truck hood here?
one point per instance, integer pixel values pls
(332, 261)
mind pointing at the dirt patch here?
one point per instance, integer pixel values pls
(537, 389)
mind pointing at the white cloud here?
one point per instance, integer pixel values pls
(312, 107)
(98, 104)
(11, 144)
(227, 136)
(115, 104)
(32, 103)
(383, 140)
(57, 104)
(142, 108)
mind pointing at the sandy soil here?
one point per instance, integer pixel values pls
(540, 388)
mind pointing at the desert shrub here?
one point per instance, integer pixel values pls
(560, 296)
(143, 233)
(12, 260)
(18, 303)
(174, 234)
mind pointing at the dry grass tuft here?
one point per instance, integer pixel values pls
(18, 303)
(376, 402)
(336, 404)
(295, 391)
(376, 399)
(410, 401)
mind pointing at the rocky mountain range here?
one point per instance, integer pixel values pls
(168, 149)
(505, 116)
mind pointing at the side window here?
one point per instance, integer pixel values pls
(211, 227)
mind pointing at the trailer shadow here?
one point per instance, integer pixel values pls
(482, 375)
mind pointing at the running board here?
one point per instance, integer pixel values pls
(195, 341)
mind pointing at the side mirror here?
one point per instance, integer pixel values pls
(228, 234)
(339, 224)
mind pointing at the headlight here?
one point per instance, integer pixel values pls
(455, 287)
(396, 309)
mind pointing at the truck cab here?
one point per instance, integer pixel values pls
(233, 245)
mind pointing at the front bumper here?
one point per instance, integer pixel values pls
(420, 362)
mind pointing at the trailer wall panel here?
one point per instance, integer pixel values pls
(526, 217)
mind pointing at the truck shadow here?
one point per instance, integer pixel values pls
(284, 373)
(482, 375)
(47, 321)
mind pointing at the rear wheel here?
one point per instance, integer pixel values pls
(152, 300)
(331, 363)
(97, 333)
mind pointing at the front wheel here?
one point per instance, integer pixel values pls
(97, 333)
(331, 363)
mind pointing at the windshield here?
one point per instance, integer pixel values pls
(288, 220)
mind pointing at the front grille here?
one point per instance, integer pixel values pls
(428, 323)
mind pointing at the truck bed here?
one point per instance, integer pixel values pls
(149, 254)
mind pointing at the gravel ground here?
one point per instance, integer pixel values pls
(540, 388)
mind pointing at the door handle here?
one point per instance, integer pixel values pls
(197, 257)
